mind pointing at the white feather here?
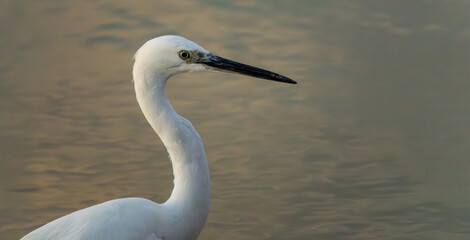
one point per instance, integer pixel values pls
(183, 215)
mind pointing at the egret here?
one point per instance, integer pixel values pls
(184, 214)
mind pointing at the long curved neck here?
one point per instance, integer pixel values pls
(191, 193)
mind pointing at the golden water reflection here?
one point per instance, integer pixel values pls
(371, 144)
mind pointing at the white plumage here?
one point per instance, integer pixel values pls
(184, 214)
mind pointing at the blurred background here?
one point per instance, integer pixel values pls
(373, 143)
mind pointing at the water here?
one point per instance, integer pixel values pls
(373, 143)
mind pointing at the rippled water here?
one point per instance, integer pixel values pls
(373, 143)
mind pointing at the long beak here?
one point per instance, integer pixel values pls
(223, 64)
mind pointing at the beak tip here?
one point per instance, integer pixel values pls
(288, 80)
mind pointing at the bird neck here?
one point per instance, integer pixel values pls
(191, 193)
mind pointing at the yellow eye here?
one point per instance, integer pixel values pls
(184, 54)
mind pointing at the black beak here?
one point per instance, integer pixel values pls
(223, 64)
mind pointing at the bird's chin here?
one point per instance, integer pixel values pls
(199, 68)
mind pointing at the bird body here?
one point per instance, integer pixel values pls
(183, 215)
(120, 219)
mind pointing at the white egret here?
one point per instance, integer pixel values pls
(184, 214)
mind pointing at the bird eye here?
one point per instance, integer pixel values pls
(184, 54)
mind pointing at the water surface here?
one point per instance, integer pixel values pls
(373, 143)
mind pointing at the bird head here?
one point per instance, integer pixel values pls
(170, 55)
